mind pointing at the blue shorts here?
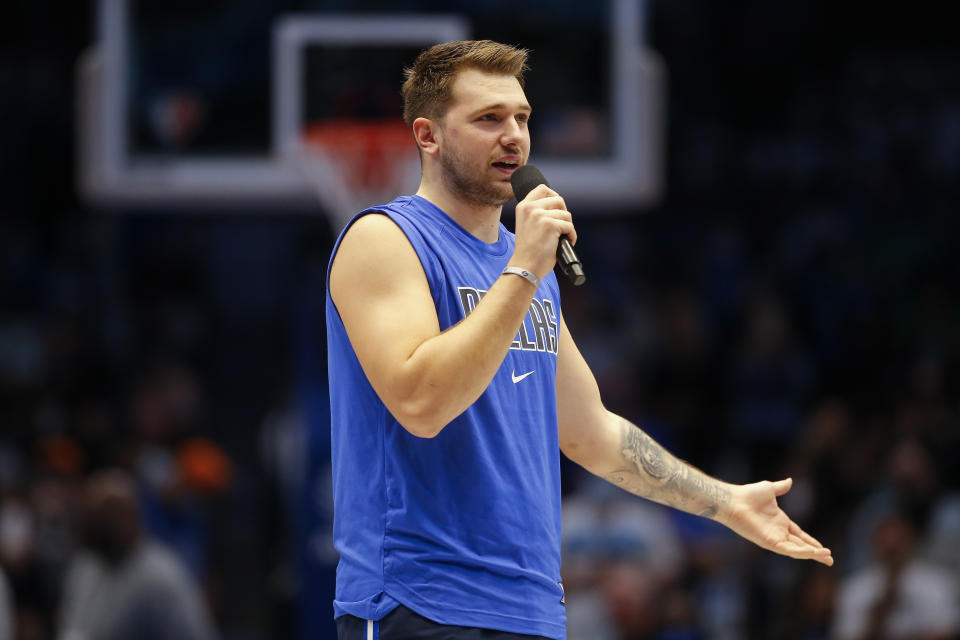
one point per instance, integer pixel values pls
(404, 624)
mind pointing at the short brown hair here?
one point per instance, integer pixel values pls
(428, 84)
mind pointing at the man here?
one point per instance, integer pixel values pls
(900, 594)
(455, 384)
(123, 585)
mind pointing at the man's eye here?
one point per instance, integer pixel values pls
(523, 118)
(490, 117)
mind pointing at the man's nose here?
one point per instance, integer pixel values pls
(512, 133)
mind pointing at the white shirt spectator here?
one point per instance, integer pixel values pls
(6, 608)
(926, 603)
(150, 597)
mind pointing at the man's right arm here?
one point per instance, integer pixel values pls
(426, 377)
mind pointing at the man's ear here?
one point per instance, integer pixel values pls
(427, 133)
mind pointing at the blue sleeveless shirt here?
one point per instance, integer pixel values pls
(462, 528)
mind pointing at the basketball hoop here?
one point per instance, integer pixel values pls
(356, 164)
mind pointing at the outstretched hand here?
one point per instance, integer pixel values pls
(755, 515)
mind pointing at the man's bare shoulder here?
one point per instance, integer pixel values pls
(375, 253)
(372, 238)
(374, 227)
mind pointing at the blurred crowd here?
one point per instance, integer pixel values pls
(789, 310)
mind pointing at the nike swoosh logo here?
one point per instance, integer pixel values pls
(516, 378)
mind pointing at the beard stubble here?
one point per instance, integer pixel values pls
(472, 188)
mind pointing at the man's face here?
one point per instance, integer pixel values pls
(484, 137)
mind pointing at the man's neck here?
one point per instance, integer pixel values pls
(481, 221)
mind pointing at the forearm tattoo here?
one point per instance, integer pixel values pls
(652, 472)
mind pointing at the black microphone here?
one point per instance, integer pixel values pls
(524, 180)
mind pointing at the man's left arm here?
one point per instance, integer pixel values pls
(613, 448)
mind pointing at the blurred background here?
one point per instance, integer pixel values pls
(772, 291)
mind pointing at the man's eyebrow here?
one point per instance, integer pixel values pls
(499, 106)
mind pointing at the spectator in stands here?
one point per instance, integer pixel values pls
(123, 586)
(6, 608)
(898, 596)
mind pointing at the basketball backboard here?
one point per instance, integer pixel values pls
(187, 103)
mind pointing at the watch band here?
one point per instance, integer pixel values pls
(523, 273)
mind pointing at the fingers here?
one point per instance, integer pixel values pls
(550, 206)
(800, 544)
(803, 535)
(797, 548)
(540, 191)
(823, 554)
(559, 214)
(541, 219)
(548, 202)
(543, 197)
(565, 224)
(799, 541)
(781, 487)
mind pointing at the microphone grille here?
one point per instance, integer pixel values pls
(525, 179)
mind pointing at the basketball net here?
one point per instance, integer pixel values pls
(357, 164)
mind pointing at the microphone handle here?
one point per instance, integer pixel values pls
(569, 262)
